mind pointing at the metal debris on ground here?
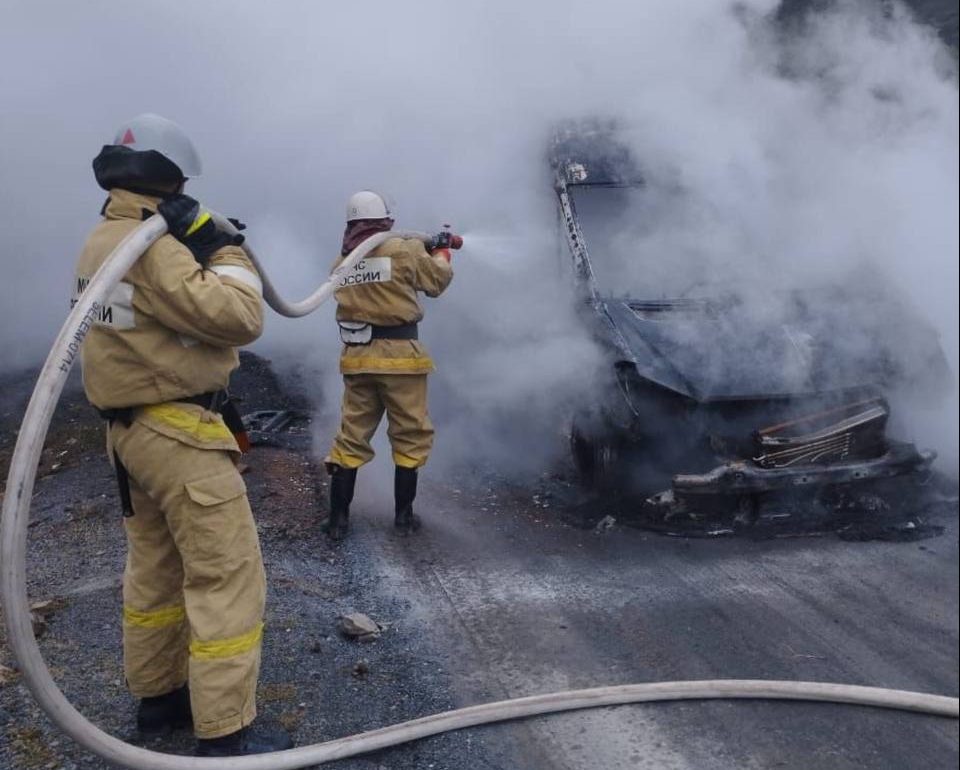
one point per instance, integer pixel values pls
(271, 426)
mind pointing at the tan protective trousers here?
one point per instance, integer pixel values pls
(365, 398)
(194, 586)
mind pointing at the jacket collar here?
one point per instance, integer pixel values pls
(360, 229)
(124, 204)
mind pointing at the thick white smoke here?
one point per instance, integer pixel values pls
(774, 158)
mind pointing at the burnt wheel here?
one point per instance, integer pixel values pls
(595, 456)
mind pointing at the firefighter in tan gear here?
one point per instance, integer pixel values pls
(384, 365)
(156, 366)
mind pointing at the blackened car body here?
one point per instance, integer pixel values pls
(714, 404)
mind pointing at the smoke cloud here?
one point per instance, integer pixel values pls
(777, 155)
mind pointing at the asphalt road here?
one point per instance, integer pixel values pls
(516, 603)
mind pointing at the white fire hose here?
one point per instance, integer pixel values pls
(322, 294)
(36, 675)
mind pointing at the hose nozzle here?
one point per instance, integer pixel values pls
(445, 239)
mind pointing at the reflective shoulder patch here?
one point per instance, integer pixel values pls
(117, 311)
(241, 274)
(369, 270)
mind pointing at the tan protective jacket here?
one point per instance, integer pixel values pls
(170, 329)
(382, 290)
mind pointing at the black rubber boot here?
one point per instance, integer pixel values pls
(404, 492)
(163, 714)
(252, 739)
(342, 483)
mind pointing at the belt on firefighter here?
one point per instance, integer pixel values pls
(401, 332)
(214, 401)
(222, 403)
(218, 401)
(124, 415)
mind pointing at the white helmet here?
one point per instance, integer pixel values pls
(367, 205)
(152, 132)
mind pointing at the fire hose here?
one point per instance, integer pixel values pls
(37, 676)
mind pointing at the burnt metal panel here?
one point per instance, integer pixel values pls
(744, 477)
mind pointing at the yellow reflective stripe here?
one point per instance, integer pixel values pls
(406, 461)
(199, 222)
(227, 648)
(345, 460)
(358, 363)
(189, 422)
(167, 616)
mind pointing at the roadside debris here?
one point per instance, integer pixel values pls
(275, 427)
(906, 531)
(358, 626)
(39, 625)
(7, 676)
(48, 606)
(360, 669)
(41, 611)
(606, 523)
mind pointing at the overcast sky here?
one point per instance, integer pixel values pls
(446, 107)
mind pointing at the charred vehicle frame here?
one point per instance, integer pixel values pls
(681, 426)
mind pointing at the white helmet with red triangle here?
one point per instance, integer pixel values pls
(152, 132)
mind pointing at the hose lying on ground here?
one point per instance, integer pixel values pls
(36, 675)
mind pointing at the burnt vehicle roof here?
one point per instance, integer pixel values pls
(719, 348)
(608, 163)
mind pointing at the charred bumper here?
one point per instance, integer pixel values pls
(746, 478)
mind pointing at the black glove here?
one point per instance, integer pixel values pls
(194, 228)
(180, 211)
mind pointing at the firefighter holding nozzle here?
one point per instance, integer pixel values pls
(383, 363)
(156, 365)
